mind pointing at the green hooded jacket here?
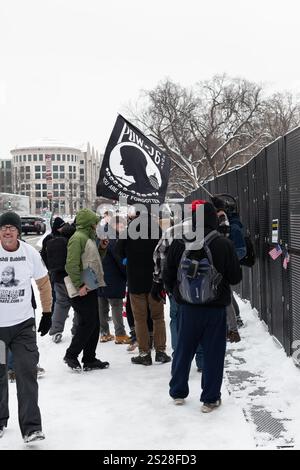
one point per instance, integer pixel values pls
(85, 218)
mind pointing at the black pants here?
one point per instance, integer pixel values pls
(87, 331)
(21, 339)
(207, 326)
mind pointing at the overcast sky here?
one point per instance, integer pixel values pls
(69, 66)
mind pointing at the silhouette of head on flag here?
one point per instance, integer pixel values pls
(135, 164)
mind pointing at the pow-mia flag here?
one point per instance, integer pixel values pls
(133, 167)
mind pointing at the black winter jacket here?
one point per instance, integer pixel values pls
(225, 261)
(140, 264)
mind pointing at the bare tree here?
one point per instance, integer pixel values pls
(282, 114)
(213, 126)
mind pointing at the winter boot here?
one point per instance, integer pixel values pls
(106, 338)
(143, 359)
(162, 357)
(94, 365)
(122, 339)
(74, 364)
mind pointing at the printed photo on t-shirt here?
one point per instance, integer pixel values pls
(8, 277)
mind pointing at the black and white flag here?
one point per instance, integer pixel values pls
(133, 167)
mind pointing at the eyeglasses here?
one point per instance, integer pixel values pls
(11, 228)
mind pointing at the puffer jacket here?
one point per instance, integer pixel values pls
(82, 249)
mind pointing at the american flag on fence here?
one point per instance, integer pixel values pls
(286, 260)
(275, 252)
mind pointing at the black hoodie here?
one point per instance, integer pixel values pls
(224, 258)
(139, 254)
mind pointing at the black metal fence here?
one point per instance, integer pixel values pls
(268, 194)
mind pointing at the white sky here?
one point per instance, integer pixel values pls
(69, 66)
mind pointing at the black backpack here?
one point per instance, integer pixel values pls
(198, 280)
(57, 254)
(250, 258)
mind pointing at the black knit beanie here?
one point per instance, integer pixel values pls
(57, 224)
(210, 214)
(11, 218)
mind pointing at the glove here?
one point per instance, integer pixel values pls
(45, 323)
(158, 292)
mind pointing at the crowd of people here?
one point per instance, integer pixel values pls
(82, 268)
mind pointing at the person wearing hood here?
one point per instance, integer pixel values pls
(58, 224)
(83, 253)
(202, 324)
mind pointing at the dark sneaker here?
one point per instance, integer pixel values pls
(162, 357)
(96, 364)
(34, 436)
(208, 407)
(57, 338)
(74, 364)
(143, 359)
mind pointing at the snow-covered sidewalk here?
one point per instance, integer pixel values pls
(128, 407)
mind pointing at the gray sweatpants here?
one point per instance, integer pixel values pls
(61, 310)
(21, 339)
(116, 313)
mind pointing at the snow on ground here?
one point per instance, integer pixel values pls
(128, 407)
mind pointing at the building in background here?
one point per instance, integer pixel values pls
(90, 163)
(64, 182)
(6, 176)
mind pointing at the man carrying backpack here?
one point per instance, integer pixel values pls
(202, 323)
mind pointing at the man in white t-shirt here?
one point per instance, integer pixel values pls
(19, 263)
